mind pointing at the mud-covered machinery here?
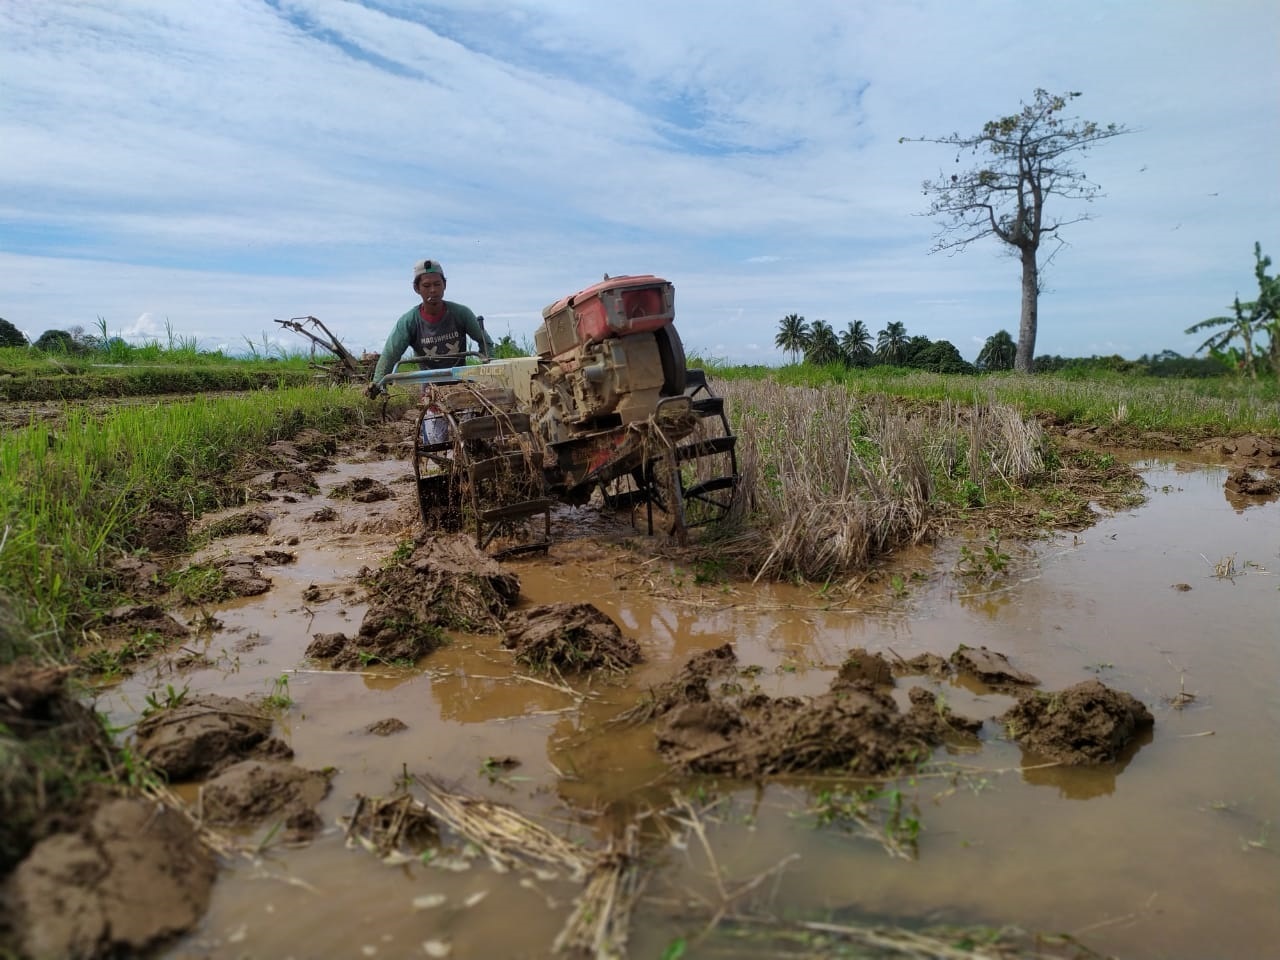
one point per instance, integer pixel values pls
(343, 366)
(608, 404)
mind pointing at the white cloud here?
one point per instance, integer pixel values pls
(222, 164)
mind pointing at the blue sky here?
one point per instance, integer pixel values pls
(216, 165)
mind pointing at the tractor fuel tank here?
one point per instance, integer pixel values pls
(615, 307)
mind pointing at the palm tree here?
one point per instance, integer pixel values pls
(998, 353)
(823, 345)
(891, 342)
(856, 343)
(793, 335)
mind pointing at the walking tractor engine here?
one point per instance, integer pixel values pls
(608, 404)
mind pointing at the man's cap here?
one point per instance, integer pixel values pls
(426, 266)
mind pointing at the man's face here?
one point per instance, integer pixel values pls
(431, 289)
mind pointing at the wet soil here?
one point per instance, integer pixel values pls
(203, 734)
(569, 638)
(78, 853)
(1086, 723)
(133, 874)
(790, 694)
(857, 727)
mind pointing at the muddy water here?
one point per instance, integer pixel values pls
(1173, 852)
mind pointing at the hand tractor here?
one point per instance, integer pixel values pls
(607, 404)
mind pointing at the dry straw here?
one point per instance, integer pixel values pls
(830, 483)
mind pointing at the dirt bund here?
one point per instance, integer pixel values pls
(707, 721)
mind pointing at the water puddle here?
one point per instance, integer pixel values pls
(1172, 851)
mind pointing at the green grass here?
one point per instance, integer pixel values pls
(71, 496)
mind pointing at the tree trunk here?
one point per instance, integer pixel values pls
(1030, 312)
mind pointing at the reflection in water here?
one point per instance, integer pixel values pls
(1241, 502)
(1082, 783)
(992, 847)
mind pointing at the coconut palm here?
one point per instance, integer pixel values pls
(891, 342)
(855, 342)
(793, 335)
(824, 346)
(998, 353)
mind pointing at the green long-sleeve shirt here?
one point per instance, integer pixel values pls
(436, 343)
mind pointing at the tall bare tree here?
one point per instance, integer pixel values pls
(1027, 158)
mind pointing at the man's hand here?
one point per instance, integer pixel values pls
(373, 391)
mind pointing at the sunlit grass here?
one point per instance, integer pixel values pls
(70, 495)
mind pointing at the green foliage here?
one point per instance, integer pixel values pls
(167, 701)
(985, 564)
(112, 661)
(11, 336)
(793, 335)
(891, 343)
(1083, 393)
(855, 344)
(940, 356)
(55, 341)
(998, 352)
(278, 698)
(823, 346)
(1252, 322)
(877, 813)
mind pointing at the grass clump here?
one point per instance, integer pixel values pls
(830, 481)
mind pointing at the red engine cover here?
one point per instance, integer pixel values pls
(616, 307)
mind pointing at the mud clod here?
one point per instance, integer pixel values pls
(1084, 724)
(200, 734)
(132, 876)
(856, 727)
(385, 728)
(569, 637)
(993, 669)
(135, 576)
(446, 583)
(51, 745)
(161, 528)
(862, 667)
(250, 791)
(323, 515)
(308, 442)
(241, 576)
(924, 664)
(237, 524)
(362, 490)
(387, 647)
(1243, 482)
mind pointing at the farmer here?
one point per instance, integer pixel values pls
(437, 328)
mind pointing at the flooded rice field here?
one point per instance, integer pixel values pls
(1173, 851)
